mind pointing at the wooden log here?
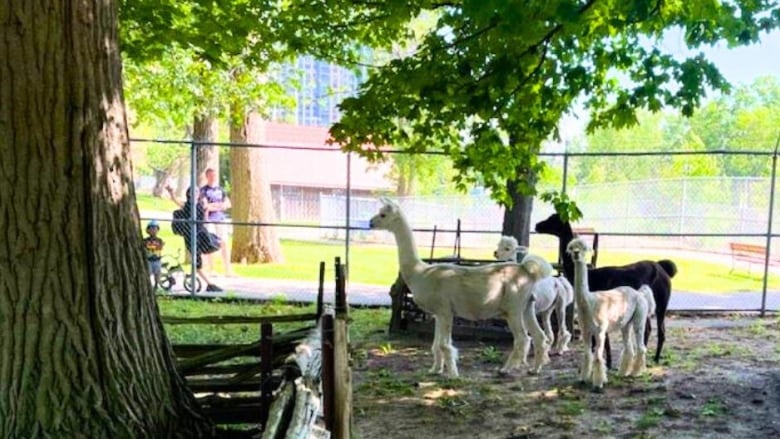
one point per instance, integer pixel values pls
(304, 368)
(279, 412)
(304, 415)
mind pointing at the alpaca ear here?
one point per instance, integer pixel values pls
(387, 202)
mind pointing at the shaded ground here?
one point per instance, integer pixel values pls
(718, 379)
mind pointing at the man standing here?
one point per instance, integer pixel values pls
(216, 202)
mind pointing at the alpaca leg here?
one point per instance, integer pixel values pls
(564, 336)
(608, 351)
(627, 355)
(640, 358)
(599, 369)
(448, 352)
(570, 317)
(520, 344)
(438, 363)
(660, 312)
(547, 325)
(541, 343)
(586, 366)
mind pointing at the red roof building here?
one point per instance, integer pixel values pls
(296, 164)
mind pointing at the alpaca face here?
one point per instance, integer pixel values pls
(578, 249)
(506, 249)
(386, 216)
(553, 225)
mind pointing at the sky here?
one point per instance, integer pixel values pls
(741, 65)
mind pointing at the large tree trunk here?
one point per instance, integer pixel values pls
(82, 351)
(517, 218)
(204, 129)
(251, 196)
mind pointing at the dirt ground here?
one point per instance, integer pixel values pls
(718, 378)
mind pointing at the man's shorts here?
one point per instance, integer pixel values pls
(155, 266)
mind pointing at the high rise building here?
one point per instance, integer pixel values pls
(318, 88)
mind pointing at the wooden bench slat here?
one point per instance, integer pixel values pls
(750, 253)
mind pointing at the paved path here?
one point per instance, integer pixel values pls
(378, 295)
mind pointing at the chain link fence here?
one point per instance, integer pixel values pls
(688, 207)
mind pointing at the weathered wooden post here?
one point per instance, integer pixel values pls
(328, 381)
(321, 290)
(266, 370)
(342, 373)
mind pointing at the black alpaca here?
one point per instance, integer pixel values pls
(658, 275)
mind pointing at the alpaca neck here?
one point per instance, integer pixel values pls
(566, 260)
(408, 260)
(581, 288)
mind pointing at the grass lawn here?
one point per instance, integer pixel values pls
(364, 322)
(378, 264)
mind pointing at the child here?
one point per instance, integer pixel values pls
(154, 247)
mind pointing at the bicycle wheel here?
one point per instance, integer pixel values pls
(167, 282)
(188, 284)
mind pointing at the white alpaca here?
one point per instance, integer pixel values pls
(640, 364)
(508, 249)
(470, 292)
(550, 293)
(605, 311)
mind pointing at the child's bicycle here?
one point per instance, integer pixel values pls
(173, 272)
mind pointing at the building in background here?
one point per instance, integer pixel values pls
(318, 88)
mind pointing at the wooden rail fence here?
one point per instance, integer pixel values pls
(287, 383)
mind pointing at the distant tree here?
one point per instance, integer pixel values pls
(231, 71)
(501, 74)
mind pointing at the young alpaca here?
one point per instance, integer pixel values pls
(508, 249)
(474, 293)
(605, 311)
(640, 364)
(550, 293)
(656, 274)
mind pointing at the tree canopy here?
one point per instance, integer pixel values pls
(493, 78)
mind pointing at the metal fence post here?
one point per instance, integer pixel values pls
(565, 168)
(193, 216)
(769, 227)
(348, 211)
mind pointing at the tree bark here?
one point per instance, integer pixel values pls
(82, 352)
(160, 180)
(251, 196)
(517, 218)
(204, 129)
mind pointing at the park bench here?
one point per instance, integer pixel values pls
(750, 253)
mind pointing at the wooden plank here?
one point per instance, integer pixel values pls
(237, 370)
(214, 385)
(236, 414)
(342, 425)
(328, 383)
(215, 356)
(229, 320)
(266, 358)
